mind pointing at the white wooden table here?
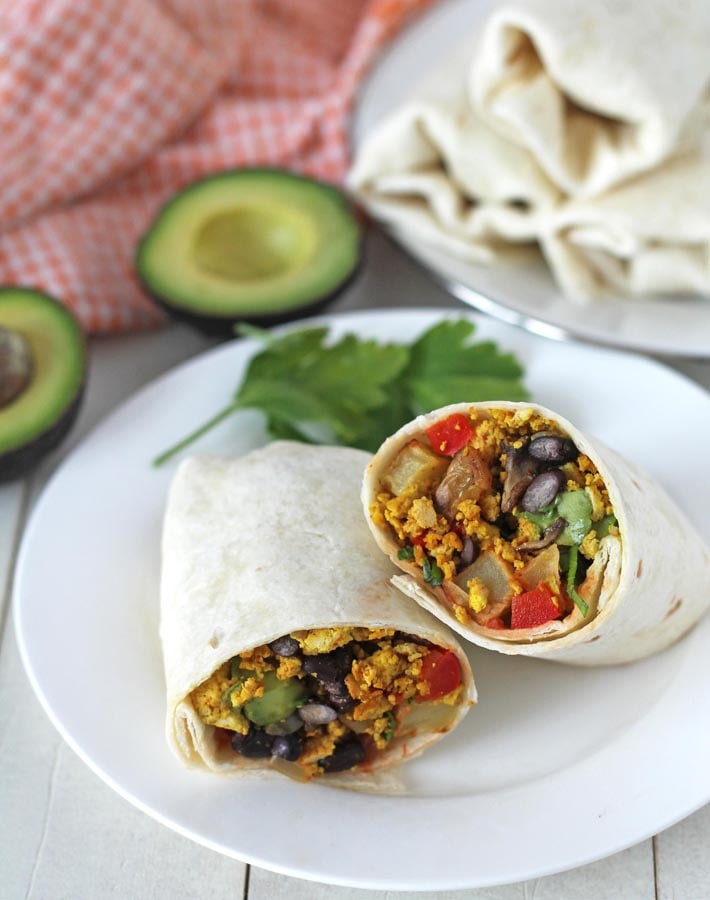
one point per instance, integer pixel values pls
(64, 835)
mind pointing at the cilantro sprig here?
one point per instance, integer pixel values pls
(571, 581)
(406, 552)
(357, 391)
(432, 573)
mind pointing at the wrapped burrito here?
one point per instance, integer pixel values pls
(597, 93)
(650, 235)
(286, 648)
(528, 538)
(434, 171)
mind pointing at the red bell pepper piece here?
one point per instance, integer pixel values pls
(441, 669)
(534, 608)
(451, 434)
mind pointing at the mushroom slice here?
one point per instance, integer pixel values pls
(549, 536)
(520, 470)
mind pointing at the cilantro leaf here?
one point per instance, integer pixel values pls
(432, 573)
(444, 367)
(300, 378)
(389, 731)
(287, 431)
(358, 391)
(406, 552)
(571, 581)
(384, 420)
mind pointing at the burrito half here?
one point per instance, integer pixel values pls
(526, 537)
(286, 648)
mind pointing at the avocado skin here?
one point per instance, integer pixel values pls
(224, 326)
(17, 462)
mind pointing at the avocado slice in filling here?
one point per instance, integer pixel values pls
(279, 700)
(308, 705)
(256, 245)
(42, 374)
(514, 519)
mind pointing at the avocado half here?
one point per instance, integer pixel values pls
(42, 375)
(249, 245)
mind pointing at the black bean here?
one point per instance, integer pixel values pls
(287, 747)
(331, 666)
(412, 639)
(543, 490)
(317, 714)
(469, 552)
(339, 695)
(552, 449)
(345, 756)
(285, 646)
(256, 745)
(238, 741)
(369, 647)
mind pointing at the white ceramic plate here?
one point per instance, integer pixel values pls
(525, 295)
(556, 766)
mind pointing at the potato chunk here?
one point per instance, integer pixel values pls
(415, 468)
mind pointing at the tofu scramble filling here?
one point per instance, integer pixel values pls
(500, 510)
(330, 699)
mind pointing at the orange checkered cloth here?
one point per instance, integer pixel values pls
(109, 106)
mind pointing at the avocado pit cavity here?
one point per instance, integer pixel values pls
(251, 243)
(16, 366)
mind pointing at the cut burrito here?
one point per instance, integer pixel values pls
(528, 538)
(286, 648)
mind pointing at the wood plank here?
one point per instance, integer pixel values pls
(683, 859)
(66, 835)
(632, 868)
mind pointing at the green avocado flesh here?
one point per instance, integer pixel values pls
(279, 700)
(255, 242)
(56, 347)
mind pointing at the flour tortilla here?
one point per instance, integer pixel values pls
(649, 235)
(436, 172)
(258, 547)
(656, 581)
(597, 92)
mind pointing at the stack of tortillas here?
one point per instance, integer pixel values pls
(573, 128)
